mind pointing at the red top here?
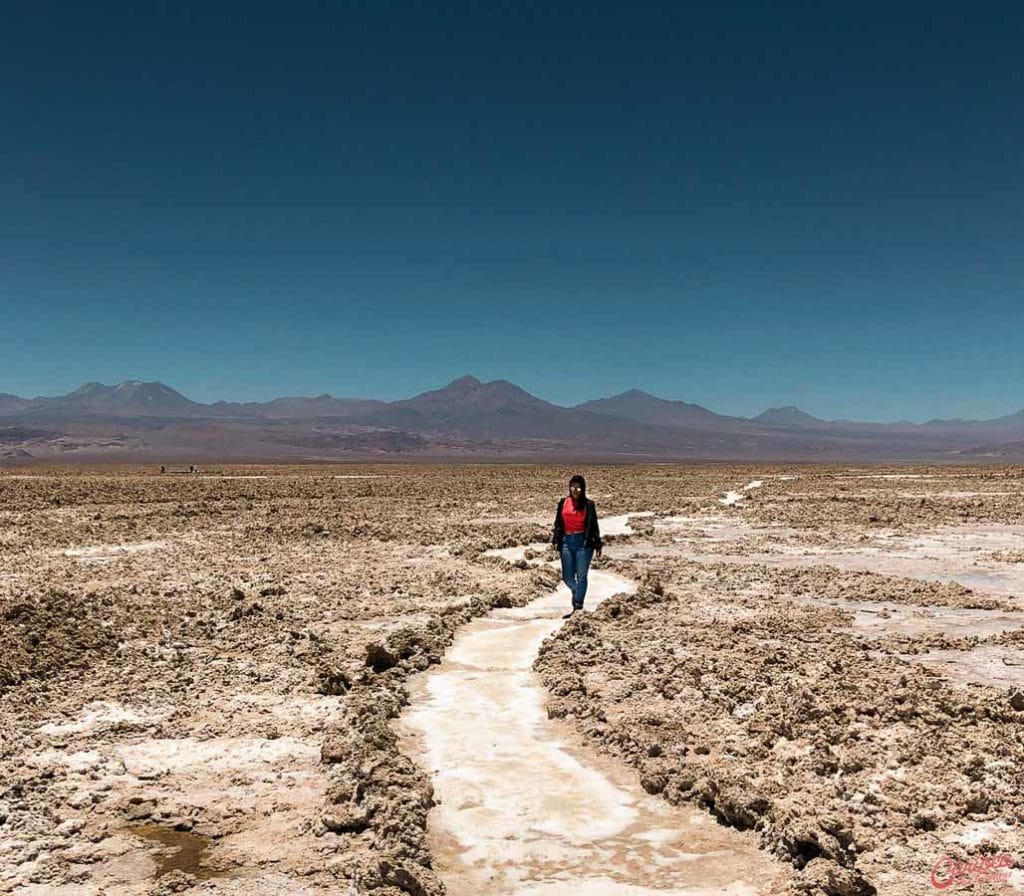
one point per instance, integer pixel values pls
(573, 519)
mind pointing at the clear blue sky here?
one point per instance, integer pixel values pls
(740, 205)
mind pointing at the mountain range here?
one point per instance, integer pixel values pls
(466, 418)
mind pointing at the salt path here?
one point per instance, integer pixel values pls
(524, 808)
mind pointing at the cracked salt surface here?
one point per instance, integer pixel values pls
(950, 554)
(988, 664)
(523, 810)
(732, 497)
(878, 618)
(258, 792)
(960, 554)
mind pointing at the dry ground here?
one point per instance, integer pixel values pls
(198, 673)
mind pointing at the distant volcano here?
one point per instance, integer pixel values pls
(787, 416)
(468, 394)
(131, 398)
(646, 408)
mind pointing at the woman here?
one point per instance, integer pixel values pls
(577, 538)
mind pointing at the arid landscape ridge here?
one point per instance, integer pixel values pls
(466, 418)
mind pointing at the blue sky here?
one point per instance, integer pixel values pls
(739, 205)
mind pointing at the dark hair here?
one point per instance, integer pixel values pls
(583, 490)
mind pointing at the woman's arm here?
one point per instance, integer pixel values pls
(558, 530)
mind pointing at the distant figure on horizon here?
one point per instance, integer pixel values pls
(577, 538)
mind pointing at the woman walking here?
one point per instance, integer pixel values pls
(577, 538)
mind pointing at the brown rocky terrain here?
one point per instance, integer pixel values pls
(755, 691)
(216, 658)
(199, 674)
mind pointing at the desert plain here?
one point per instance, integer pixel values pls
(356, 679)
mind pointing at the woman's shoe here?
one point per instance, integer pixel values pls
(567, 615)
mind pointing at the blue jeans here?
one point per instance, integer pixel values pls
(575, 563)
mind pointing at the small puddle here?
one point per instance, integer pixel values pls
(180, 850)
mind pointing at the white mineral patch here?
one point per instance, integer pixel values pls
(992, 665)
(878, 618)
(960, 554)
(103, 553)
(892, 476)
(932, 495)
(154, 757)
(517, 553)
(273, 704)
(973, 833)
(716, 526)
(80, 762)
(619, 525)
(95, 714)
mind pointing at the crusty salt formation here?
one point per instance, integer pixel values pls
(829, 664)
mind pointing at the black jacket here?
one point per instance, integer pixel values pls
(591, 531)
